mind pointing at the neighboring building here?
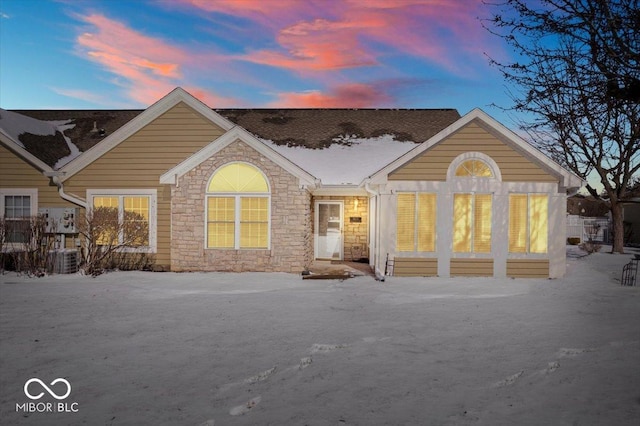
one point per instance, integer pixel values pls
(631, 220)
(272, 190)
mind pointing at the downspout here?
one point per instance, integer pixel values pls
(55, 178)
(376, 226)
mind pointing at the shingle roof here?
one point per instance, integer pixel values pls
(311, 128)
(318, 128)
(82, 135)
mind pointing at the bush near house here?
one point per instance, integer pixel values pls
(591, 247)
(25, 245)
(110, 242)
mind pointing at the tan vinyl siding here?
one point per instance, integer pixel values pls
(528, 268)
(471, 267)
(17, 173)
(140, 160)
(432, 164)
(415, 267)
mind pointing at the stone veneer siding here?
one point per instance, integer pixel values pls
(291, 232)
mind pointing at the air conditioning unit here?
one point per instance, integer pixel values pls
(63, 261)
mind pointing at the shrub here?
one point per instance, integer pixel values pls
(591, 247)
(25, 245)
(107, 241)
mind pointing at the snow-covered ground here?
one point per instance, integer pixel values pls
(272, 349)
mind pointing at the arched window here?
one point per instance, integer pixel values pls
(474, 168)
(238, 214)
(473, 205)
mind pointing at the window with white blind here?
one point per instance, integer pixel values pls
(238, 203)
(472, 215)
(528, 223)
(416, 222)
(17, 206)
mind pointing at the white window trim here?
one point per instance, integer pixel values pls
(30, 192)
(415, 250)
(493, 166)
(237, 196)
(527, 253)
(237, 204)
(472, 253)
(153, 212)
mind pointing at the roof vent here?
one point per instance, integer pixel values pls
(95, 127)
(102, 132)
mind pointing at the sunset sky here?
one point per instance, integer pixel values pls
(91, 54)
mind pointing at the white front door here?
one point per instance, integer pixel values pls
(328, 229)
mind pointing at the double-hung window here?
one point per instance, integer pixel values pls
(17, 207)
(472, 223)
(128, 216)
(416, 222)
(528, 223)
(238, 208)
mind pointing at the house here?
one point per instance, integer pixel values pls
(631, 218)
(272, 190)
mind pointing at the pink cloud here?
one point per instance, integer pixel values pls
(318, 45)
(311, 38)
(114, 42)
(148, 68)
(354, 95)
(269, 13)
(326, 35)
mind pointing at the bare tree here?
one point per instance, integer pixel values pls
(106, 234)
(577, 74)
(3, 234)
(31, 252)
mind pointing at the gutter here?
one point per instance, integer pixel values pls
(367, 187)
(573, 192)
(376, 254)
(55, 178)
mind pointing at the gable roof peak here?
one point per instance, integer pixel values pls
(567, 178)
(154, 111)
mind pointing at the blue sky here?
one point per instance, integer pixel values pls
(86, 54)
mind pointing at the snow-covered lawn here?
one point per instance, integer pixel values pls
(272, 349)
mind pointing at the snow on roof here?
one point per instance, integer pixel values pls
(15, 125)
(348, 162)
(319, 133)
